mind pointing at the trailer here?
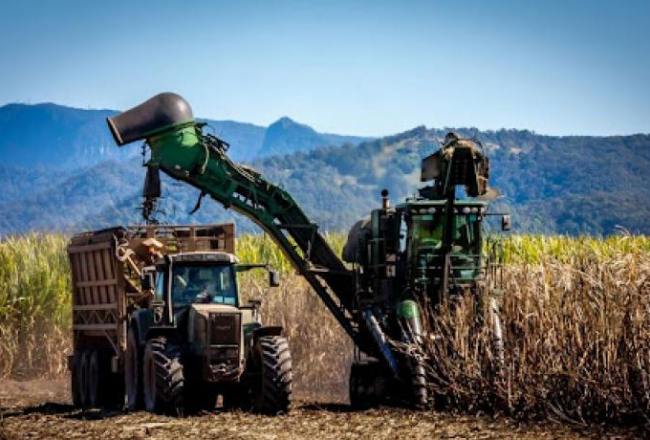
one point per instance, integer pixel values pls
(106, 266)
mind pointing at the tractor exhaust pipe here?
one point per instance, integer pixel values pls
(385, 201)
(156, 115)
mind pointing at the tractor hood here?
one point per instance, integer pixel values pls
(215, 324)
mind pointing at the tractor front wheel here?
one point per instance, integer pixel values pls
(273, 375)
(163, 377)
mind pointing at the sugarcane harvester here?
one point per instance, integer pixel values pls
(400, 259)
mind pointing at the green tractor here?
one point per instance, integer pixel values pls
(402, 261)
(200, 341)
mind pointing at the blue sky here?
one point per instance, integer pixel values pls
(368, 68)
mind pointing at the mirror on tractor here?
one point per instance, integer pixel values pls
(506, 222)
(274, 278)
(147, 281)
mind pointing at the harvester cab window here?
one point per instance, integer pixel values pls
(426, 231)
(466, 234)
(427, 234)
(202, 283)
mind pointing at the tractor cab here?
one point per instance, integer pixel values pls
(196, 298)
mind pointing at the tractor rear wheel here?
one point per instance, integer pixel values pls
(133, 373)
(272, 389)
(163, 377)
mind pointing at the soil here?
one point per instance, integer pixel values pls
(41, 409)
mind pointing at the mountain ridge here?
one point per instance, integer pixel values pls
(552, 184)
(78, 137)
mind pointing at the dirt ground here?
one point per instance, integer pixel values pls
(40, 409)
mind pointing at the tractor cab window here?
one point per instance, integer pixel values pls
(203, 283)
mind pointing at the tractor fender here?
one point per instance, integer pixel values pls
(270, 330)
(169, 331)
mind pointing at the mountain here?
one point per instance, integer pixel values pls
(246, 139)
(64, 138)
(55, 136)
(287, 136)
(575, 184)
(551, 184)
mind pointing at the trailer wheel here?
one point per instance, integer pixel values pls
(163, 377)
(75, 380)
(133, 372)
(93, 399)
(84, 365)
(272, 389)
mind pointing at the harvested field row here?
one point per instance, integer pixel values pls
(41, 409)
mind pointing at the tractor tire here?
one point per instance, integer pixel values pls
(368, 384)
(133, 373)
(272, 392)
(163, 378)
(75, 380)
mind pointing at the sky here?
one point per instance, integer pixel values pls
(350, 67)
